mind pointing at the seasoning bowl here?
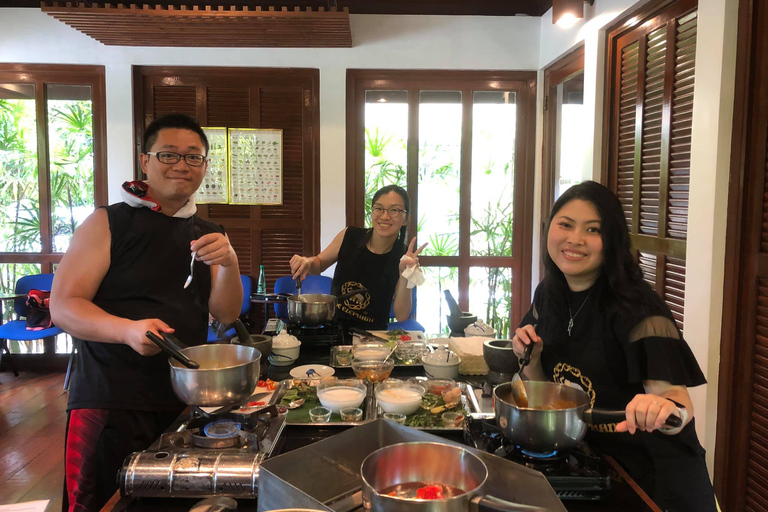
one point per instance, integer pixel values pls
(410, 352)
(372, 371)
(340, 394)
(351, 414)
(399, 397)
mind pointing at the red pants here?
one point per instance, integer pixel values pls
(96, 444)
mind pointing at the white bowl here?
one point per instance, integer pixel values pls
(339, 394)
(436, 366)
(399, 397)
(370, 351)
(284, 356)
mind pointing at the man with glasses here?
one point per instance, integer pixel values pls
(148, 263)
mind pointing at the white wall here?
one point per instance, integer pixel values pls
(710, 152)
(416, 42)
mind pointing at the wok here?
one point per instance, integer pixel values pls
(227, 374)
(316, 308)
(431, 463)
(545, 430)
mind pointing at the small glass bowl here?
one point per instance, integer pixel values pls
(439, 386)
(343, 357)
(351, 414)
(320, 415)
(372, 371)
(394, 416)
(452, 419)
(410, 352)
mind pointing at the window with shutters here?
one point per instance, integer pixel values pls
(250, 98)
(461, 144)
(650, 105)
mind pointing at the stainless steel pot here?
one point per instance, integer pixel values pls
(537, 429)
(545, 430)
(315, 308)
(430, 463)
(226, 374)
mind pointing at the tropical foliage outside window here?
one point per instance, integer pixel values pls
(46, 190)
(439, 190)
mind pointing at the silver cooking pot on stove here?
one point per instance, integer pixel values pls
(429, 463)
(316, 308)
(226, 374)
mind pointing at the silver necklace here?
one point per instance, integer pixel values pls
(570, 322)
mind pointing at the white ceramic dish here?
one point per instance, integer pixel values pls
(436, 366)
(340, 394)
(371, 351)
(284, 356)
(301, 372)
(399, 397)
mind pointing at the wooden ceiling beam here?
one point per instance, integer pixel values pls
(206, 26)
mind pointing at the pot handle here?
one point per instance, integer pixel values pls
(493, 504)
(593, 416)
(168, 344)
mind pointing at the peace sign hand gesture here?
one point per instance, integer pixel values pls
(411, 258)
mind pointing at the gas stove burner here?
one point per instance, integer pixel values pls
(576, 474)
(205, 455)
(221, 431)
(539, 455)
(325, 334)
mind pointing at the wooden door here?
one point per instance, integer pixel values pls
(250, 98)
(650, 108)
(741, 453)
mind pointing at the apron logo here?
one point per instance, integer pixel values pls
(356, 302)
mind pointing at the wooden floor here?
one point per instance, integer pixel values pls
(33, 415)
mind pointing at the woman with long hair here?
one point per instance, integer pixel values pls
(372, 258)
(597, 325)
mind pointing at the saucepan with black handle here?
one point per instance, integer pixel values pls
(225, 374)
(317, 308)
(557, 416)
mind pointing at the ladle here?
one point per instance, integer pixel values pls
(169, 345)
(518, 388)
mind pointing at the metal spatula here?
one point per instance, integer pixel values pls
(519, 392)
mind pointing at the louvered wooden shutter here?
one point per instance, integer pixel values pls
(240, 98)
(650, 142)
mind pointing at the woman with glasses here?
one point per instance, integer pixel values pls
(372, 258)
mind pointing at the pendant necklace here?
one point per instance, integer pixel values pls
(570, 322)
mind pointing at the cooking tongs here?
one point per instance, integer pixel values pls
(366, 334)
(170, 344)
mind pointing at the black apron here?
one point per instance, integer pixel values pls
(671, 469)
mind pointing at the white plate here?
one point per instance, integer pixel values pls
(300, 372)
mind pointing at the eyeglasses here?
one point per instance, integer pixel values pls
(169, 157)
(394, 213)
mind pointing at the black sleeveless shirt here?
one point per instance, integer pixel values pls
(149, 263)
(359, 268)
(599, 358)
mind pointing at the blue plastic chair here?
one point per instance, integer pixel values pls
(16, 330)
(407, 325)
(244, 309)
(311, 284)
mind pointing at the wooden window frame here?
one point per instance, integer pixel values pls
(39, 75)
(562, 70)
(523, 83)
